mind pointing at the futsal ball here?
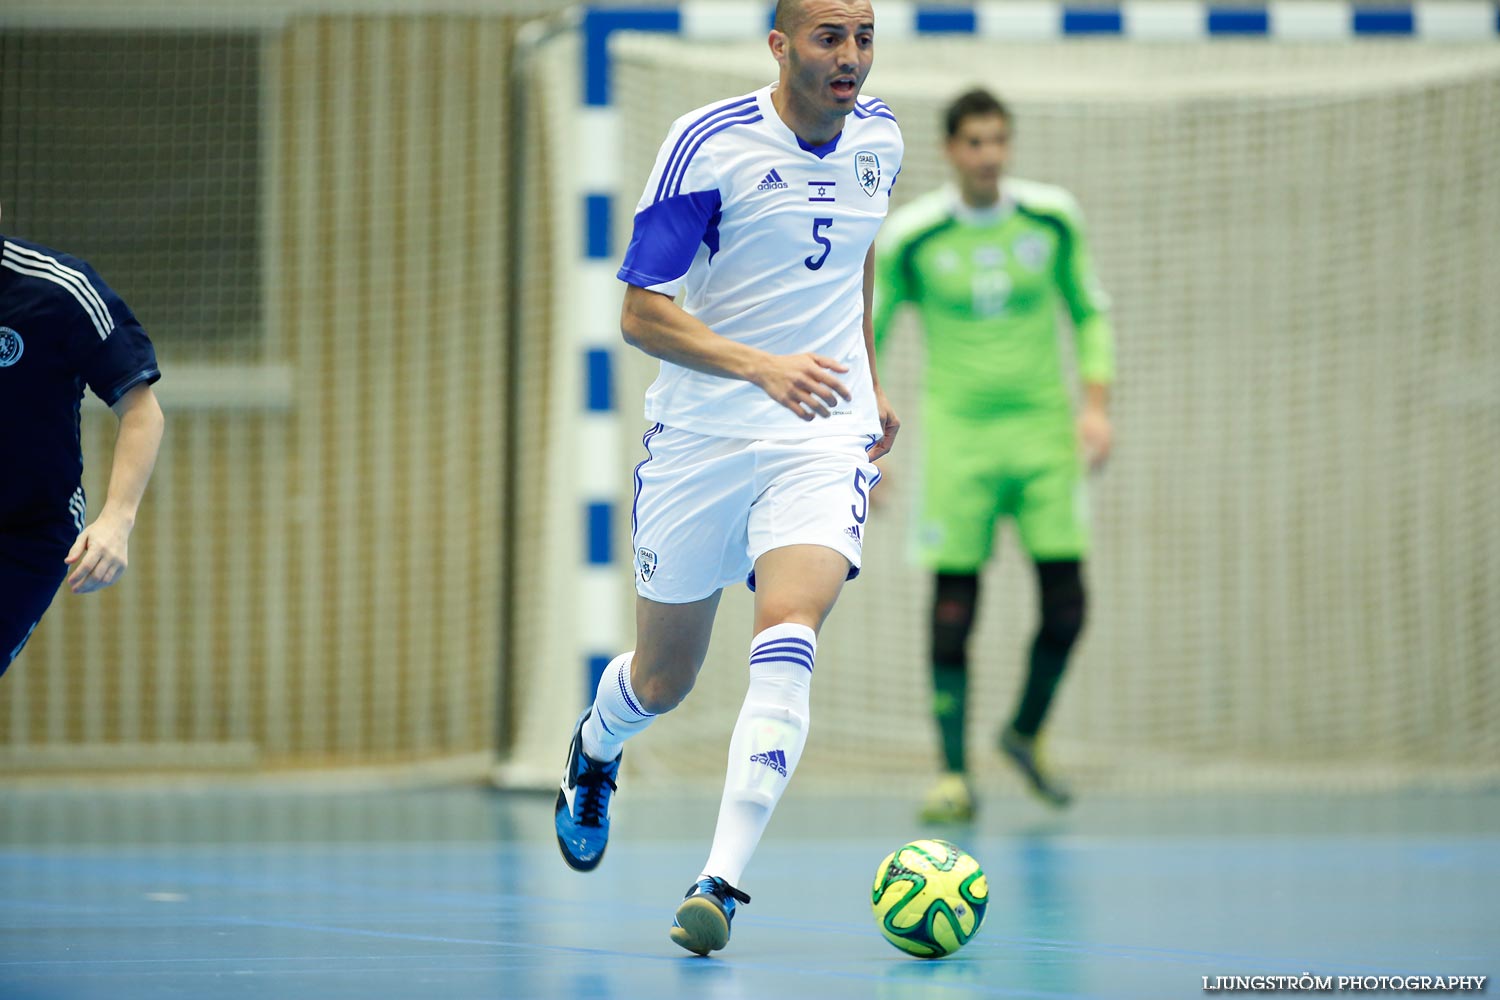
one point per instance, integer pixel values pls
(929, 898)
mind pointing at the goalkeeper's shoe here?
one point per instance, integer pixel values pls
(1024, 753)
(582, 813)
(949, 801)
(704, 916)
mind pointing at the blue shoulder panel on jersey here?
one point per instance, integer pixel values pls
(693, 137)
(873, 108)
(666, 237)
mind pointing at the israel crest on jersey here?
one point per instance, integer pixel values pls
(11, 346)
(867, 171)
(645, 564)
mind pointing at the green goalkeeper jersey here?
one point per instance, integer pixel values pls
(989, 285)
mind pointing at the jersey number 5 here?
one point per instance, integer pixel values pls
(813, 263)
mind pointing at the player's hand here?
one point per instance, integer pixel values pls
(99, 555)
(1096, 435)
(890, 424)
(803, 383)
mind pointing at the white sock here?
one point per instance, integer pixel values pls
(617, 713)
(766, 746)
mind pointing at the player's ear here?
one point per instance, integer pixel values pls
(778, 43)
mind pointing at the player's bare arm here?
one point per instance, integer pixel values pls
(806, 384)
(1094, 428)
(889, 423)
(100, 554)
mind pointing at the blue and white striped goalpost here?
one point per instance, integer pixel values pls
(601, 630)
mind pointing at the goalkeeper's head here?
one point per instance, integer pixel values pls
(978, 126)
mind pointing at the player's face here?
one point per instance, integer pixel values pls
(980, 152)
(826, 57)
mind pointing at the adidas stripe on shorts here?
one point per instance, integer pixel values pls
(707, 507)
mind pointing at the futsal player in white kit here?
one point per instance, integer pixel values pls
(761, 210)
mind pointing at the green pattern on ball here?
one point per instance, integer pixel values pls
(929, 898)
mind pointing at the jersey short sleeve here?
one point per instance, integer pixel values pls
(676, 216)
(109, 348)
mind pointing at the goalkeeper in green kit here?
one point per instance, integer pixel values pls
(989, 265)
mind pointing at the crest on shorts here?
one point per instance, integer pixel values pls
(867, 171)
(645, 564)
(11, 347)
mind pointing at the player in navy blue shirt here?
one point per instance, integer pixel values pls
(61, 328)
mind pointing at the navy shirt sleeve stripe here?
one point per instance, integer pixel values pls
(25, 261)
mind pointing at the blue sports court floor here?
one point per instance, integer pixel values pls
(458, 893)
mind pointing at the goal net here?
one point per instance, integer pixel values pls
(1296, 571)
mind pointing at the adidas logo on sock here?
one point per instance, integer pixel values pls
(774, 759)
(772, 182)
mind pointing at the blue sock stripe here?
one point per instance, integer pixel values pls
(600, 716)
(789, 642)
(798, 651)
(788, 649)
(629, 701)
(781, 659)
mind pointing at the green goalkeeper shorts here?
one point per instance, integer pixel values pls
(976, 472)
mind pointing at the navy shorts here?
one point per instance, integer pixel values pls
(26, 590)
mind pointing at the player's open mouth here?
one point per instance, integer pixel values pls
(843, 88)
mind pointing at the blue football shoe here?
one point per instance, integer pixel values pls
(582, 814)
(704, 916)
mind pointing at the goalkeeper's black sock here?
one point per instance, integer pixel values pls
(950, 695)
(1062, 605)
(1048, 661)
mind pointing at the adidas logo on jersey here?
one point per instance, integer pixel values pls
(772, 182)
(774, 759)
(852, 531)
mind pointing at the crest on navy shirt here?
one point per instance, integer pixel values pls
(11, 347)
(867, 171)
(645, 563)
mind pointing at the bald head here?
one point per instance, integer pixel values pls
(794, 16)
(789, 15)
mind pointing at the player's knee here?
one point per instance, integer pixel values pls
(953, 616)
(950, 642)
(661, 683)
(1064, 603)
(770, 612)
(661, 693)
(1062, 623)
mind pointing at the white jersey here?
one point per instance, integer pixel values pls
(767, 237)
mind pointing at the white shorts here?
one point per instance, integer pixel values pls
(707, 507)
